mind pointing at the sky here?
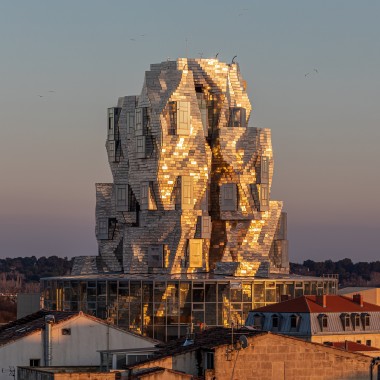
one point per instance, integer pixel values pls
(313, 75)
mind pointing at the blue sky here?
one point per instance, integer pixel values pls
(325, 126)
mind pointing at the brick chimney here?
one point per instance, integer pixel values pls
(321, 300)
(358, 298)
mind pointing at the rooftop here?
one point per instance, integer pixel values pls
(311, 304)
(353, 346)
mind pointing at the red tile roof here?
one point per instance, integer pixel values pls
(353, 346)
(308, 304)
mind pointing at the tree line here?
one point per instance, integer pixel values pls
(350, 274)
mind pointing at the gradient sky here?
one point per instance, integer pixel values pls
(325, 126)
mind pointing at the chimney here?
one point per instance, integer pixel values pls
(358, 298)
(321, 300)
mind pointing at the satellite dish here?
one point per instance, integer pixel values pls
(243, 341)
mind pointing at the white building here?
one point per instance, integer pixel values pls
(57, 338)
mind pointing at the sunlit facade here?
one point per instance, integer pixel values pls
(188, 233)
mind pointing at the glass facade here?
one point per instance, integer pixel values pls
(164, 309)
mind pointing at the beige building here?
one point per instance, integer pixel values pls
(370, 295)
(217, 354)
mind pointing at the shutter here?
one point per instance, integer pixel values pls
(264, 169)
(183, 118)
(195, 253)
(102, 228)
(187, 201)
(121, 199)
(206, 227)
(138, 122)
(228, 197)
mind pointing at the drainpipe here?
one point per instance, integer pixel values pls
(49, 321)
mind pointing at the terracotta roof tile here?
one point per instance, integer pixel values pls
(353, 346)
(309, 304)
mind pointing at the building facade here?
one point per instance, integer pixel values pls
(187, 231)
(322, 319)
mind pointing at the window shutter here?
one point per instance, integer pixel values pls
(140, 147)
(228, 197)
(155, 256)
(264, 169)
(138, 122)
(183, 118)
(121, 199)
(187, 201)
(195, 253)
(102, 228)
(206, 227)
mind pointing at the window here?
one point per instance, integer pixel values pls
(228, 197)
(102, 228)
(156, 256)
(345, 320)
(275, 321)
(323, 321)
(264, 170)
(356, 320)
(368, 342)
(138, 122)
(130, 122)
(172, 130)
(359, 341)
(294, 321)
(111, 151)
(206, 227)
(34, 362)
(183, 118)
(144, 195)
(365, 320)
(113, 118)
(66, 331)
(140, 147)
(121, 199)
(195, 253)
(187, 201)
(237, 118)
(209, 360)
(258, 321)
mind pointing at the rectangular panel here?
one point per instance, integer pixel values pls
(111, 151)
(183, 118)
(140, 147)
(102, 228)
(144, 195)
(138, 122)
(264, 169)
(206, 227)
(264, 197)
(187, 201)
(130, 122)
(228, 197)
(155, 256)
(195, 253)
(121, 198)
